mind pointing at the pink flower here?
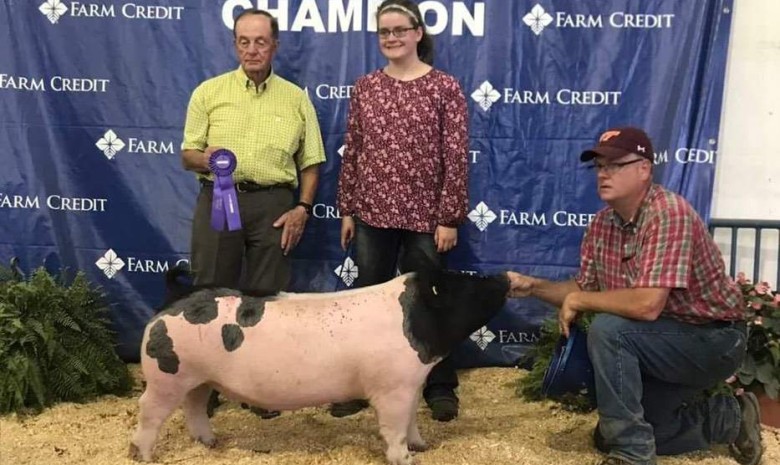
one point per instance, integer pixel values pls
(739, 391)
(752, 293)
(741, 278)
(731, 379)
(762, 288)
(777, 299)
(756, 305)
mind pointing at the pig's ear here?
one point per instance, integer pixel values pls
(432, 288)
(445, 291)
(178, 279)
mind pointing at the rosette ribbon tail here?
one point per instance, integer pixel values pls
(224, 203)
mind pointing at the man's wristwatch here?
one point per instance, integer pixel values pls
(306, 206)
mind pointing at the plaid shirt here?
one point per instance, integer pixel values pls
(667, 246)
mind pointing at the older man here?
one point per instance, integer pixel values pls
(271, 127)
(670, 322)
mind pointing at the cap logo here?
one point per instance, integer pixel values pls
(608, 135)
(639, 148)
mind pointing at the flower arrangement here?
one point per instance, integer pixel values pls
(761, 368)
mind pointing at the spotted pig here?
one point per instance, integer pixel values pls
(288, 351)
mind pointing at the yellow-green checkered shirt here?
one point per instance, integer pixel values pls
(271, 128)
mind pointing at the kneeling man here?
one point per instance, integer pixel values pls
(670, 322)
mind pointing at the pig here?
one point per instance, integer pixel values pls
(295, 350)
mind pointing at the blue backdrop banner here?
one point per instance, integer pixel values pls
(93, 96)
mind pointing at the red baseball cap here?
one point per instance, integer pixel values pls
(618, 142)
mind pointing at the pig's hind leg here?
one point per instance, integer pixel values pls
(156, 405)
(394, 412)
(195, 414)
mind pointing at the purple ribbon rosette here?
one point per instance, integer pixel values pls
(224, 204)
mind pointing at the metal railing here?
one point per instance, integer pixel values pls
(757, 226)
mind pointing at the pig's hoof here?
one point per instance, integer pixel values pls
(135, 453)
(418, 446)
(404, 459)
(210, 442)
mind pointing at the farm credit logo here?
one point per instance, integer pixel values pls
(110, 264)
(111, 144)
(538, 19)
(484, 336)
(486, 95)
(53, 84)
(347, 271)
(482, 217)
(55, 10)
(53, 202)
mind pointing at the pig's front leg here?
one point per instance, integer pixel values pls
(413, 438)
(394, 412)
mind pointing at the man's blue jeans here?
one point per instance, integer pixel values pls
(650, 377)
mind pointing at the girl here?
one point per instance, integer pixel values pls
(403, 181)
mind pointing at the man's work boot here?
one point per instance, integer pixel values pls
(443, 404)
(598, 440)
(747, 448)
(614, 461)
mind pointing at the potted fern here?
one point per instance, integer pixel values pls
(55, 342)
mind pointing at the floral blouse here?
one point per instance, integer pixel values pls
(405, 162)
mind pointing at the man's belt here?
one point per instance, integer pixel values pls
(248, 186)
(738, 324)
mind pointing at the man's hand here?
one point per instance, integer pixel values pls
(347, 231)
(520, 285)
(195, 160)
(207, 155)
(568, 313)
(445, 238)
(293, 221)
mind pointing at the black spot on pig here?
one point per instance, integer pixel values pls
(195, 311)
(250, 312)
(201, 313)
(232, 337)
(198, 304)
(199, 307)
(411, 305)
(443, 308)
(160, 347)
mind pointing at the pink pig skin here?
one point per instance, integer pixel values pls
(306, 350)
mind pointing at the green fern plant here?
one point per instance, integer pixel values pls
(55, 343)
